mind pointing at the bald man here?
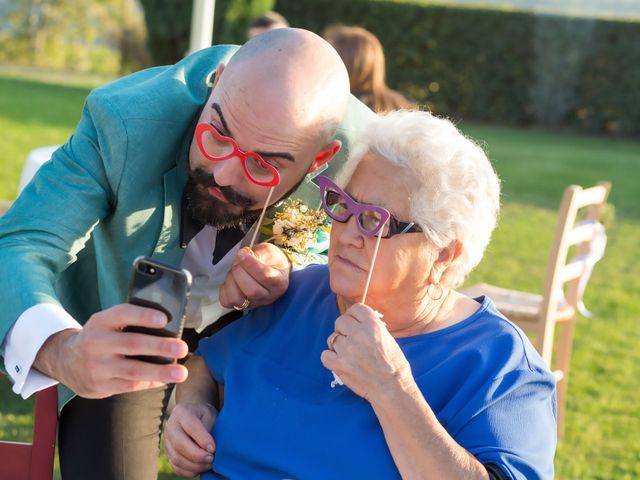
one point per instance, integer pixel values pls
(140, 177)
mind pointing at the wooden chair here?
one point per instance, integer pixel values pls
(34, 461)
(564, 284)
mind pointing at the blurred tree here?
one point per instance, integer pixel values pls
(105, 36)
(233, 17)
(132, 37)
(169, 24)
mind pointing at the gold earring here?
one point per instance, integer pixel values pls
(440, 291)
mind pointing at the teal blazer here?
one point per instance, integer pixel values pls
(113, 192)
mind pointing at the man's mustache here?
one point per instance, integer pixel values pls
(204, 179)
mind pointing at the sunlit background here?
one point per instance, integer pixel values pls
(551, 89)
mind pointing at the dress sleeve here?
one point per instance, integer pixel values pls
(515, 430)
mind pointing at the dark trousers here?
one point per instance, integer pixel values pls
(115, 438)
(118, 438)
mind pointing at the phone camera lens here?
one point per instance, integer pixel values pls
(147, 269)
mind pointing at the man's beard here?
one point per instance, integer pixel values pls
(208, 210)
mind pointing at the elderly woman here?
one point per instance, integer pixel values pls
(435, 384)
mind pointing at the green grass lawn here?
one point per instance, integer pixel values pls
(602, 438)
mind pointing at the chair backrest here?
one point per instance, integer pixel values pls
(34, 461)
(566, 279)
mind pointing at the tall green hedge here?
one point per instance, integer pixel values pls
(504, 66)
(232, 18)
(169, 24)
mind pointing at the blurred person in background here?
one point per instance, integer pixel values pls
(362, 53)
(266, 22)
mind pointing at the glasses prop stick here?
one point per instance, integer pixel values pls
(264, 209)
(373, 262)
(336, 379)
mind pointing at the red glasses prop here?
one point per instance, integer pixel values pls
(217, 147)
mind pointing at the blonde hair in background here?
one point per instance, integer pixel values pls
(362, 54)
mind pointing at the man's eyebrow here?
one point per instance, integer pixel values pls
(285, 155)
(217, 108)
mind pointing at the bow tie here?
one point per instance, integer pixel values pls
(226, 238)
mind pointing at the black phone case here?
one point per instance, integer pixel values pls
(162, 287)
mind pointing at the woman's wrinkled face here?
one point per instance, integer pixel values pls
(403, 262)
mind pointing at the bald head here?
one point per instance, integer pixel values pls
(279, 100)
(295, 76)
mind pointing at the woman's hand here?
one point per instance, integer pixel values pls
(187, 442)
(364, 354)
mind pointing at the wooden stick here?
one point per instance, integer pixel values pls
(264, 209)
(373, 261)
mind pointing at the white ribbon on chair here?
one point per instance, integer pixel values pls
(595, 254)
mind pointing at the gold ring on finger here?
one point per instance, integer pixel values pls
(243, 306)
(331, 340)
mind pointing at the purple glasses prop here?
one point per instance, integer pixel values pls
(371, 219)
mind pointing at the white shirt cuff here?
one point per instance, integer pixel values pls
(25, 339)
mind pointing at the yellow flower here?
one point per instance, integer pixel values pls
(295, 227)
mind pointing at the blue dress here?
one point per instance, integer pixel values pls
(281, 419)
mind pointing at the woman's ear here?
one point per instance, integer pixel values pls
(446, 256)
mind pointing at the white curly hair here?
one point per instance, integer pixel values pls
(453, 189)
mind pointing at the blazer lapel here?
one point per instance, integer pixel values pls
(167, 247)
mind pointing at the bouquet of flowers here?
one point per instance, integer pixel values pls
(298, 229)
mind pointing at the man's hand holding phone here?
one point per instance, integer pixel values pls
(128, 347)
(94, 361)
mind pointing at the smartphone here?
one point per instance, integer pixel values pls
(163, 287)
